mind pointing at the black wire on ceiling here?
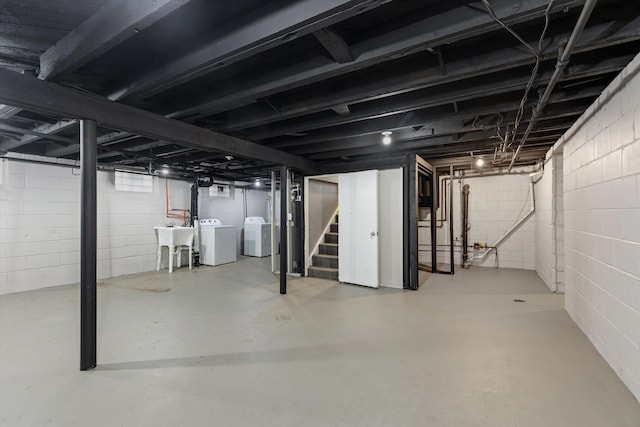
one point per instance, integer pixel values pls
(506, 143)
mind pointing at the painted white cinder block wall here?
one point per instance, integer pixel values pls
(496, 203)
(40, 226)
(231, 210)
(602, 224)
(550, 224)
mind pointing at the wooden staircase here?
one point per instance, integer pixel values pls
(325, 262)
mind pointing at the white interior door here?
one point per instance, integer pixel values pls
(358, 229)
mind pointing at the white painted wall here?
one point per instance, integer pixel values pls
(231, 210)
(496, 203)
(40, 226)
(550, 225)
(389, 224)
(322, 204)
(602, 224)
(390, 217)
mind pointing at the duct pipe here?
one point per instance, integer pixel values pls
(465, 226)
(452, 249)
(536, 169)
(284, 199)
(273, 218)
(561, 64)
(442, 197)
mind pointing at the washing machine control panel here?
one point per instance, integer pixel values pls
(210, 222)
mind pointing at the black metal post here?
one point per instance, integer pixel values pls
(434, 231)
(284, 197)
(301, 225)
(413, 223)
(405, 224)
(194, 202)
(451, 248)
(88, 251)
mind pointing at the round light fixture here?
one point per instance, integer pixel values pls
(480, 162)
(165, 171)
(258, 183)
(386, 137)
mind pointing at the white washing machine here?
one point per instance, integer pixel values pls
(257, 237)
(218, 242)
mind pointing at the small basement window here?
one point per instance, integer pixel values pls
(136, 183)
(219, 190)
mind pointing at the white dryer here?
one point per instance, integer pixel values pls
(218, 242)
(257, 237)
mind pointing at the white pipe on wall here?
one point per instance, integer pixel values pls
(509, 232)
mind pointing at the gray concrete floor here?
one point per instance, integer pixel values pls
(219, 346)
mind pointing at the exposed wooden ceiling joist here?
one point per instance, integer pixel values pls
(276, 26)
(115, 22)
(445, 28)
(40, 96)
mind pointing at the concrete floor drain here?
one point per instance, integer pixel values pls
(519, 300)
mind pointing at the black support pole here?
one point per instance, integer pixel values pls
(413, 223)
(451, 248)
(88, 251)
(434, 232)
(284, 197)
(406, 274)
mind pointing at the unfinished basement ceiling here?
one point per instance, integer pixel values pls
(319, 80)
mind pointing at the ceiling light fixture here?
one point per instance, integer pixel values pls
(386, 137)
(165, 171)
(228, 157)
(480, 162)
(258, 183)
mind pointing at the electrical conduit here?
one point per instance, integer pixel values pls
(563, 60)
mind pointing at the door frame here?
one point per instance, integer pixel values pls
(332, 177)
(414, 166)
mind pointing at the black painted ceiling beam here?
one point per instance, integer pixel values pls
(598, 36)
(264, 30)
(43, 131)
(335, 45)
(484, 139)
(454, 25)
(430, 121)
(112, 24)
(442, 95)
(43, 97)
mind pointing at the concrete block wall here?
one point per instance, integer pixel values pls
(495, 205)
(550, 224)
(40, 226)
(231, 210)
(602, 224)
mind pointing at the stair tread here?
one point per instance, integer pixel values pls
(322, 268)
(329, 244)
(327, 256)
(331, 232)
